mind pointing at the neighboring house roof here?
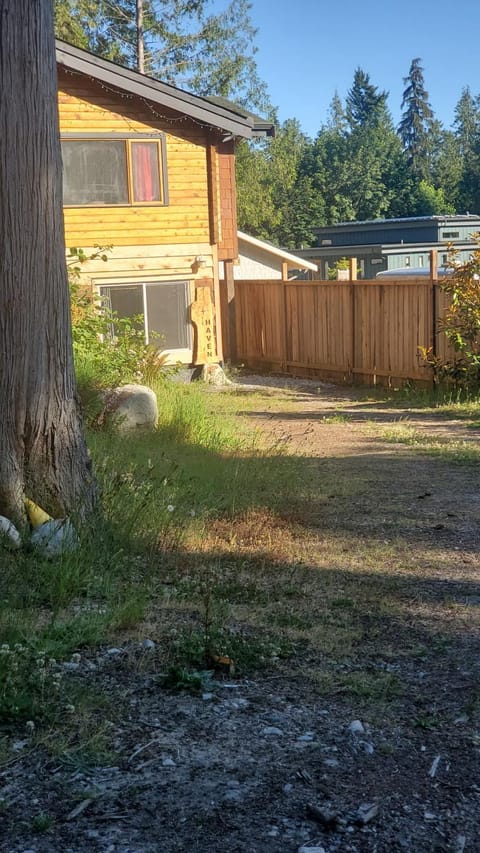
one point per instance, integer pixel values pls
(208, 111)
(437, 218)
(292, 260)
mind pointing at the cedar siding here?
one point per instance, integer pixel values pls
(85, 107)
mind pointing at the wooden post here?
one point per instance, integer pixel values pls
(284, 270)
(285, 327)
(434, 286)
(229, 322)
(352, 265)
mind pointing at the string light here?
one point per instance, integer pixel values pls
(131, 97)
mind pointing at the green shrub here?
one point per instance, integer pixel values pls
(30, 683)
(108, 350)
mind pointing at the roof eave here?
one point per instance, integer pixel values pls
(199, 109)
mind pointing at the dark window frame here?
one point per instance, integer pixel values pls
(106, 287)
(128, 139)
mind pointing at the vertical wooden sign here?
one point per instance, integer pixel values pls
(205, 351)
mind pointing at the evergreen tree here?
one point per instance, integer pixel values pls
(365, 105)
(467, 133)
(467, 121)
(416, 122)
(184, 43)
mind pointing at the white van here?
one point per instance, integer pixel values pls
(413, 272)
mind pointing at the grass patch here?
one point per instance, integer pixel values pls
(217, 544)
(452, 449)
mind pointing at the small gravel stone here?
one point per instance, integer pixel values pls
(368, 747)
(70, 666)
(148, 645)
(356, 727)
(311, 849)
(114, 651)
(307, 737)
(207, 696)
(168, 762)
(272, 730)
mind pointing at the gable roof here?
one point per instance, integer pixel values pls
(211, 112)
(292, 260)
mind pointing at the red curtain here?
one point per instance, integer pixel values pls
(145, 171)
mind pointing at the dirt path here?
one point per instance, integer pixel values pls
(366, 738)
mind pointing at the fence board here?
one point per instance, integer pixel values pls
(368, 329)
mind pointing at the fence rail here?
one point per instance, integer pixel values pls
(369, 331)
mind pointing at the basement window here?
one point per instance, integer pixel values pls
(163, 309)
(450, 235)
(107, 170)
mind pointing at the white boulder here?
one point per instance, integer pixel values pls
(54, 537)
(9, 535)
(132, 407)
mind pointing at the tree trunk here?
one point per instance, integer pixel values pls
(42, 450)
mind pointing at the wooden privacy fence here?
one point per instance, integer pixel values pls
(367, 331)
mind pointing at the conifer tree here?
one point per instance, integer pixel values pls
(416, 122)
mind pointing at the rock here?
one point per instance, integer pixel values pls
(308, 737)
(131, 407)
(367, 747)
(366, 812)
(70, 666)
(207, 697)
(213, 374)
(54, 538)
(168, 762)
(331, 762)
(9, 535)
(323, 816)
(272, 730)
(148, 645)
(113, 652)
(356, 728)
(311, 849)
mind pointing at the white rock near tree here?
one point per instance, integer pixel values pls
(131, 407)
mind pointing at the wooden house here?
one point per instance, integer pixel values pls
(150, 171)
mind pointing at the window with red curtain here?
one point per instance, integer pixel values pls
(145, 172)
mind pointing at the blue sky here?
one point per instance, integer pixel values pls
(309, 48)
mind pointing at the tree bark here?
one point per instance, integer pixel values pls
(42, 450)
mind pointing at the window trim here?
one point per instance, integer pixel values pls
(101, 284)
(128, 138)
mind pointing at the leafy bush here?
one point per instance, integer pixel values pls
(461, 323)
(30, 683)
(108, 350)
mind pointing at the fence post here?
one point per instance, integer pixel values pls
(285, 325)
(434, 285)
(353, 278)
(228, 313)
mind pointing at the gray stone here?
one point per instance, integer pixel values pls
(311, 849)
(55, 537)
(356, 727)
(213, 374)
(131, 407)
(168, 762)
(272, 730)
(9, 535)
(148, 645)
